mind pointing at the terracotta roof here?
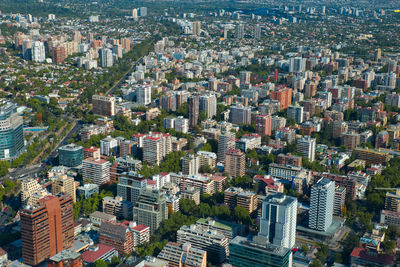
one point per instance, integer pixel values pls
(92, 256)
(140, 227)
(362, 253)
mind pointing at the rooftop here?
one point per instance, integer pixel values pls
(273, 249)
(65, 255)
(92, 255)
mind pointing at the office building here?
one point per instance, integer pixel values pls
(190, 164)
(244, 252)
(278, 220)
(106, 57)
(12, 136)
(143, 95)
(263, 125)
(70, 155)
(62, 183)
(239, 31)
(196, 28)
(66, 258)
(235, 161)
(193, 105)
(118, 207)
(215, 243)
(130, 186)
(306, 146)
(103, 105)
(208, 104)
(226, 141)
(96, 170)
(392, 201)
(257, 31)
(240, 115)
(283, 95)
(116, 235)
(38, 52)
(295, 113)
(47, 229)
(321, 204)
(155, 147)
(150, 209)
(183, 255)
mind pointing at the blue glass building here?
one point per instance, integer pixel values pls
(11, 131)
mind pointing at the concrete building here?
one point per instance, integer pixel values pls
(62, 183)
(193, 105)
(240, 114)
(248, 142)
(392, 201)
(96, 170)
(247, 200)
(155, 147)
(190, 164)
(150, 209)
(143, 95)
(321, 204)
(192, 194)
(47, 229)
(226, 141)
(183, 255)
(109, 146)
(278, 220)
(215, 243)
(207, 159)
(296, 113)
(130, 186)
(118, 207)
(306, 146)
(208, 104)
(196, 27)
(65, 258)
(339, 200)
(116, 235)
(38, 51)
(235, 162)
(263, 125)
(103, 105)
(141, 234)
(106, 57)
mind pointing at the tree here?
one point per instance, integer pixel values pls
(4, 166)
(100, 263)
(115, 261)
(206, 147)
(241, 215)
(388, 246)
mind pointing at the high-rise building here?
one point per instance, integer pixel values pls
(244, 252)
(181, 124)
(208, 104)
(392, 201)
(215, 243)
(321, 204)
(118, 50)
(295, 113)
(126, 45)
(38, 52)
(62, 183)
(306, 146)
(135, 13)
(278, 220)
(257, 31)
(47, 229)
(240, 114)
(193, 105)
(297, 64)
(226, 141)
(351, 140)
(151, 209)
(58, 54)
(142, 11)
(130, 186)
(30, 187)
(103, 105)
(70, 155)
(235, 161)
(11, 135)
(106, 57)
(263, 125)
(96, 170)
(183, 255)
(283, 95)
(143, 95)
(116, 235)
(245, 77)
(118, 207)
(190, 164)
(239, 31)
(196, 27)
(155, 147)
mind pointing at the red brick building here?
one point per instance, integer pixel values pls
(116, 235)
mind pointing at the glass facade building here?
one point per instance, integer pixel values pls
(11, 131)
(70, 155)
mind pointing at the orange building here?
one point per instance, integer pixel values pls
(283, 95)
(47, 229)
